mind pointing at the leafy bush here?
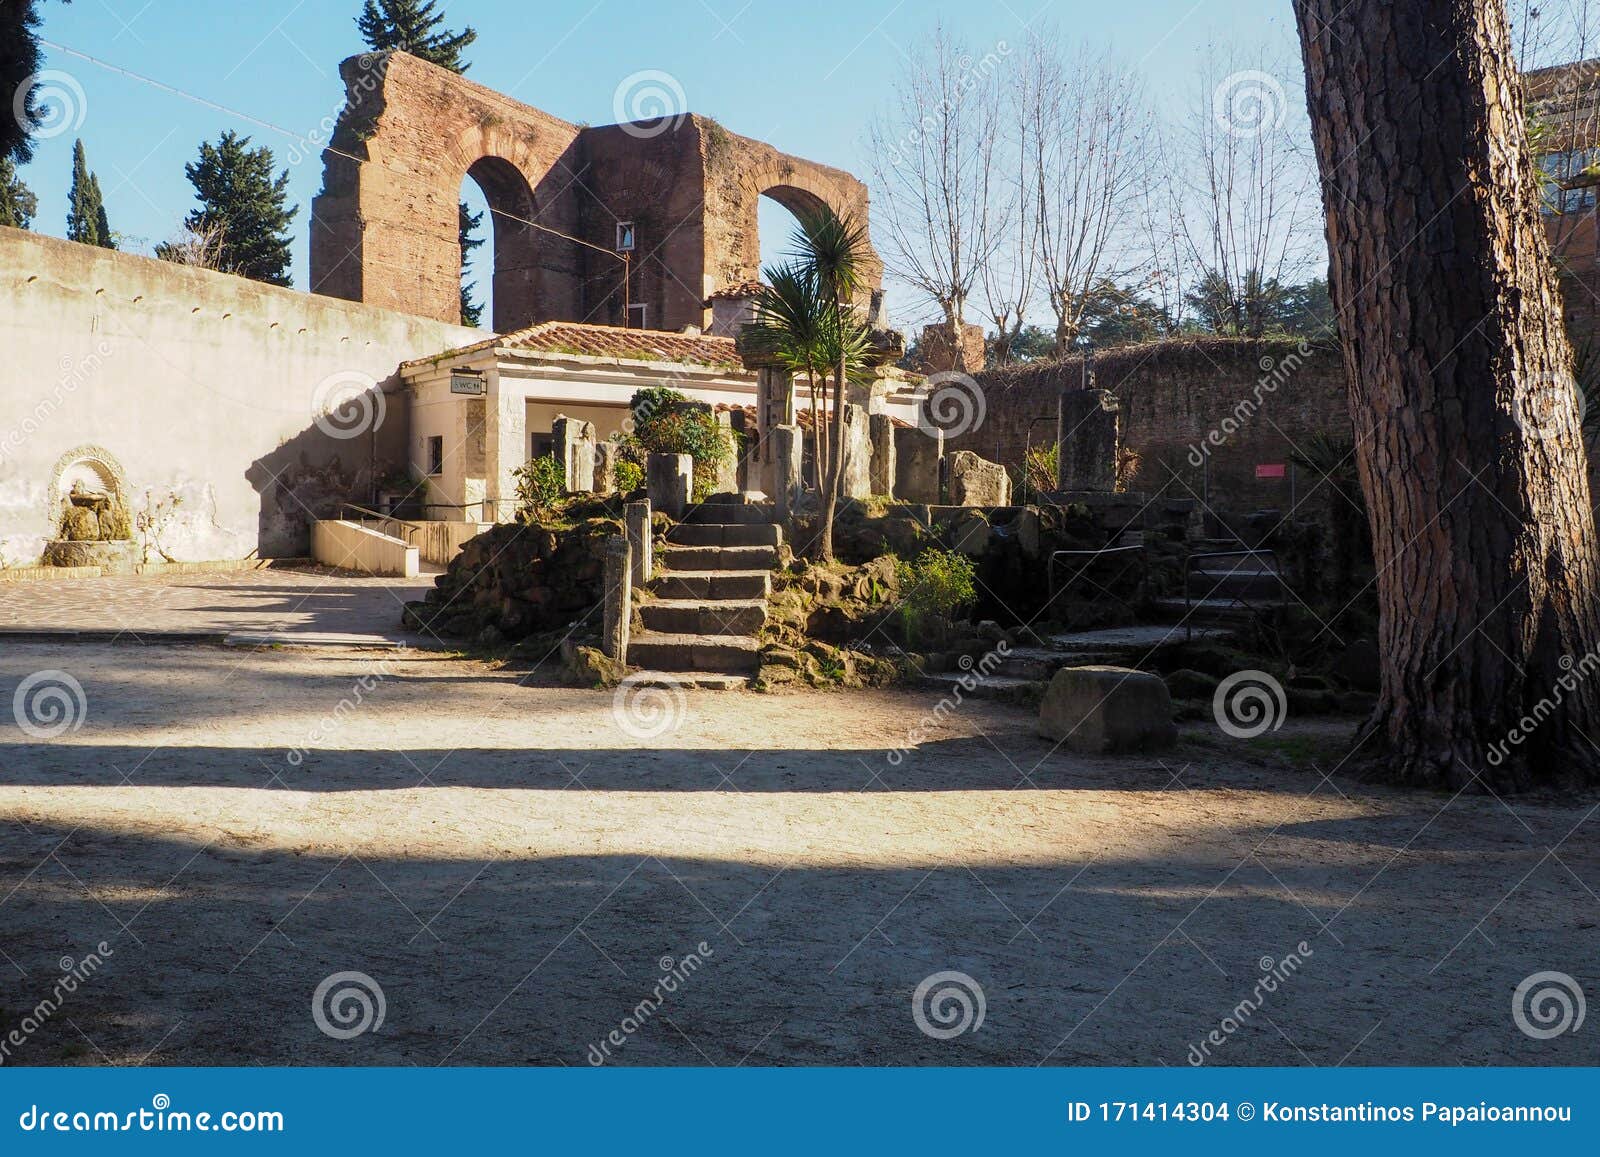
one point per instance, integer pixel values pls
(932, 589)
(666, 422)
(627, 474)
(541, 484)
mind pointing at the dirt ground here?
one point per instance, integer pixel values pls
(518, 872)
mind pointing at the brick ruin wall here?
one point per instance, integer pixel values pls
(384, 226)
(1172, 396)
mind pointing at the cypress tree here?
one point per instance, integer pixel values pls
(413, 26)
(471, 311)
(238, 194)
(86, 216)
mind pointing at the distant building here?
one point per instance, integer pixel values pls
(1563, 105)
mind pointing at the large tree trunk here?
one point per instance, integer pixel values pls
(1462, 392)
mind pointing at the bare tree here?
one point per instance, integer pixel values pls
(928, 157)
(1084, 135)
(1010, 219)
(1248, 219)
(200, 245)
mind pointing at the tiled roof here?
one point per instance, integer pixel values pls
(742, 289)
(609, 341)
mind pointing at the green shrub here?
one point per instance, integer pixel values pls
(541, 484)
(666, 422)
(628, 475)
(932, 589)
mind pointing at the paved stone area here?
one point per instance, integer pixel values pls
(301, 601)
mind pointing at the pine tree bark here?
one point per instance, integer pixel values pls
(1463, 395)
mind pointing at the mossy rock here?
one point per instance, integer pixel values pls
(1187, 683)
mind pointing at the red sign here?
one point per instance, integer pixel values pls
(1270, 470)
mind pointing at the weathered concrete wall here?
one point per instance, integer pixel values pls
(352, 546)
(1259, 399)
(384, 227)
(201, 385)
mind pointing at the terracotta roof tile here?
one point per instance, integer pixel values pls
(609, 341)
(604, 341)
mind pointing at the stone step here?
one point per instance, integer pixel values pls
(747, 513)
(1235, 583)
(1220, 612)
(703, 616)
(689, 680)
(724, 654)
(712, 584)
(1007, 687)
(703, 558)
(725, 534)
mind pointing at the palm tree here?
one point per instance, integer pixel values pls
(790, 319)
(832, 251)
(806, 318)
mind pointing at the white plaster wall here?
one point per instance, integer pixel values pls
(202, 385)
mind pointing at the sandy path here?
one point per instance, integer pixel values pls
(512, 867)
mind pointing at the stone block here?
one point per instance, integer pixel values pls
(605, 468)
(640, 543)
(572, 442)
(969, 533)
(974, 481)
(617, 601)
(880, 428)
(728, 469)
(856, 478)
(669, 481)
(788, 463)
(1100, 710)
(918, 455)
(1087, 432)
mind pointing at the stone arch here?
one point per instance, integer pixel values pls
(90, 467)
(385, 227)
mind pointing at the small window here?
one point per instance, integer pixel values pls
(436, 454)
(625, 238)
(638, 317)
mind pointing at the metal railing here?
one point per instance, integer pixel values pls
(366, 515)
(1090, 558)
(1190, 568)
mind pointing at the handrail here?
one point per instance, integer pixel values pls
(1093, 556)
(1188, 567)
(373, 515)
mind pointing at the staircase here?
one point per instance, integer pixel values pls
(708, 598)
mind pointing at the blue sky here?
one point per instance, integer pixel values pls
(806, 77)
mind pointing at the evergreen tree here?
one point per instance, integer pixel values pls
(19, 59)
(86, 217)
(239, 197)
(17, 202)
(413, 26)
(468, 222)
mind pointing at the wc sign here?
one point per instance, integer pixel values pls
(1271, 470)
(468, 382)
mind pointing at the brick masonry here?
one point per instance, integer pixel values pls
(384, 226)
(1261, 398)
